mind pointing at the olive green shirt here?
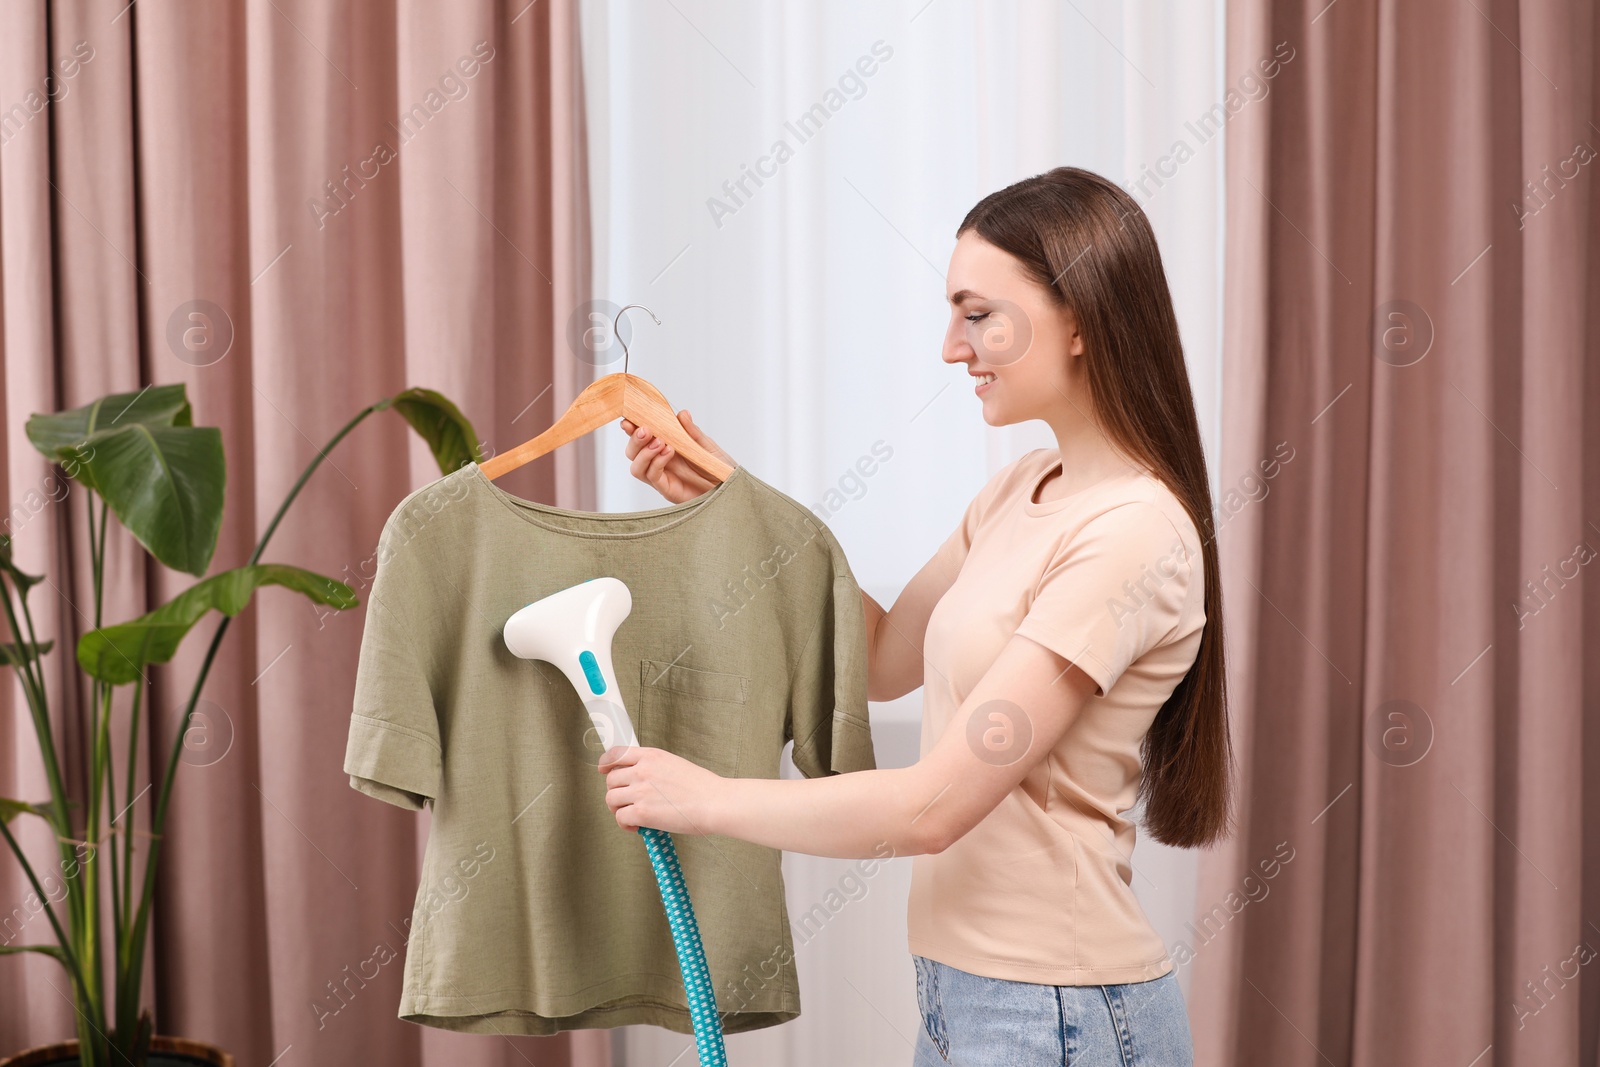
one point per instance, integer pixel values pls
(535, 911)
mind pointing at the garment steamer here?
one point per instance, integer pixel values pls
(573, 630)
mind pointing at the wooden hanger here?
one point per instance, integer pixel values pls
(607, 399)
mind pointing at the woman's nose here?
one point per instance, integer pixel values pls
(956, 347)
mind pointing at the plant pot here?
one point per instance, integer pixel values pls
(164, 1052)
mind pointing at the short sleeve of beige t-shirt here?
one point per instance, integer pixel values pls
(1128, 560)
(1109, 578)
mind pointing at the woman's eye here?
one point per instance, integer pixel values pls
(977, 318)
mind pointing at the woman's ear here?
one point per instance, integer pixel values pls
(1074, 338)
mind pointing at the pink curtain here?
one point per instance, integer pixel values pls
(1413, 606)
(356, 199)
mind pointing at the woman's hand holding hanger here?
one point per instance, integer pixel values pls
(658, 463)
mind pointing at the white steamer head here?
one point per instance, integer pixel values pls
(573, 629)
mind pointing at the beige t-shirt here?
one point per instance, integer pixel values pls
(1110, 578)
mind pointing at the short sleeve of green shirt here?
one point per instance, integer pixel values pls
(393, 751)
(535, 912)
(830, 733)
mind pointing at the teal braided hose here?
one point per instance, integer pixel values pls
(685, 936)
(691, 954)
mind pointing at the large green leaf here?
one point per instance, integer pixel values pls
(118, 654)
(439, 422)
(165, 484)
(164, 478)
(157, 405)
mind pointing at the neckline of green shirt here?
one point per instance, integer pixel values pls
(676, 514)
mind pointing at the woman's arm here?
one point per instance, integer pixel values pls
(1016, 714)
(894, 637)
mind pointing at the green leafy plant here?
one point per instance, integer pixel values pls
(143, 459)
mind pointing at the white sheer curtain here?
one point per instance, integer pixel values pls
(780, 183)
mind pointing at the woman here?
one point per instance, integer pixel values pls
(1069, 638)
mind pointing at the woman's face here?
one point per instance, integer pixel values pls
(1004, 323)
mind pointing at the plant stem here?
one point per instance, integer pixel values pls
(111, 822)
(127, 827)
(97, 553)
(60, 820)
(127, 1007)
(89, 940)
(33, 689)
(49, 912)
(305, 476)
(130, 959)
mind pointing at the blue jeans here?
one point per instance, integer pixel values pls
(972, 1021)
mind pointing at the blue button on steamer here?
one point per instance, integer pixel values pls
(591, 670)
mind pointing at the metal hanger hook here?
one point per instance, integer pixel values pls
(616, 332)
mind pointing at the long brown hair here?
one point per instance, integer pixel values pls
(1087, 242)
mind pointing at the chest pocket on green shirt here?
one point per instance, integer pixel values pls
(697, 714)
